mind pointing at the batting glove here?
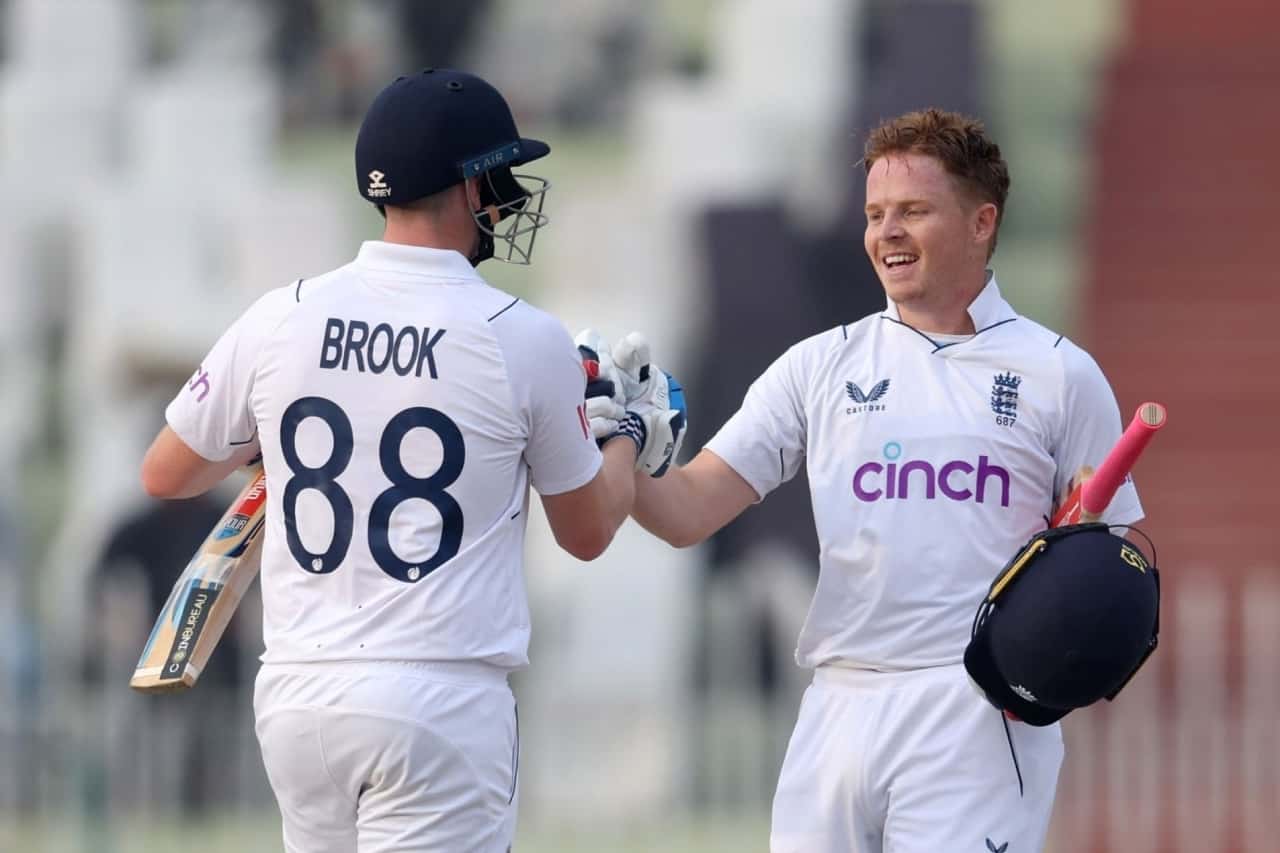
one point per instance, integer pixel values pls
(656, 398)
(604, 400)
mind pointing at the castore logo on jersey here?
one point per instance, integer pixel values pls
(866, 401)
(956, 480)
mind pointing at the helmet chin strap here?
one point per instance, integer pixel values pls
(485, 218)
(485, 215)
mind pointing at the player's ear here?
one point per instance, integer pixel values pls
(984, 222)
(471, 186)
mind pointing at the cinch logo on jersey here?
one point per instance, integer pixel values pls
(199, 384)
(956, 480)
(403, 351)
(866, 401)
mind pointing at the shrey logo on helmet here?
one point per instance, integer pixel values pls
(440, 127)
(377, 187)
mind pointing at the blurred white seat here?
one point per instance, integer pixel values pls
(22, 356)
(66, 64)
(167, 251)
(793, 78)
(57, 35)
(194, 129)
(56, 127)
(284, 231)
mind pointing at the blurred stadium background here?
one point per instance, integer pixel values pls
(164, 161)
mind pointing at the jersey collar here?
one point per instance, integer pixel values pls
(415, 260)
(988, 309)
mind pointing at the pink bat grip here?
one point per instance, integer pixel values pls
(1099, 489)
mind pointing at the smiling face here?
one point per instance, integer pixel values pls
(928, 239)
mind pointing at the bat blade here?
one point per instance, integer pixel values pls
(205, 596)
(1088, 501)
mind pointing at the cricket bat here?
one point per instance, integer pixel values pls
(205, 596)
(1088, 500)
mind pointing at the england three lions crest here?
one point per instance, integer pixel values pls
(1004, 398)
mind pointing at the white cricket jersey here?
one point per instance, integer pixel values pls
(403, 407)
(929, 464)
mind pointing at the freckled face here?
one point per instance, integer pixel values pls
(923, 236)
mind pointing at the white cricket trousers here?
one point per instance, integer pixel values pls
(381, 757)
(912, 762)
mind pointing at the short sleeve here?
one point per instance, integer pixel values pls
(548, 378)
(764, 441)
(1090, 426)
(211, 413)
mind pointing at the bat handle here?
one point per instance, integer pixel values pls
(1099, 489)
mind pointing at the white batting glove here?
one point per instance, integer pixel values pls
(604, 396)
(656, 398)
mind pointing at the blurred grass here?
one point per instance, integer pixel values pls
(252, 833)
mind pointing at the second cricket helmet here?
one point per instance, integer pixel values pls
(426, 132)
(1068, 621)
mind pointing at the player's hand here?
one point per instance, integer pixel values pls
(656, 398)
(604, 400)
(1077, 480)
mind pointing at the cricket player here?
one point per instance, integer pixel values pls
(936, 435)
(403, 408)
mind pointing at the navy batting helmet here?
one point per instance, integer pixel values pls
(1068, 621)
(426, 132)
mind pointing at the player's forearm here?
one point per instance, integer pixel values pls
(173, 470)
(693, 501)
(669, 508)
(620, 482)
(612, 496)
(584, 520)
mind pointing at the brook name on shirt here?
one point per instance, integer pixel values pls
(352, 345)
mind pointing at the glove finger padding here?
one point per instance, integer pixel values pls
(631, 357)
(664, 427)
(657, 398)
(604, 394)
(655, 416)
(603, 414)
(597, 360)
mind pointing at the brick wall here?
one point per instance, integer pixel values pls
(1181, 303)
